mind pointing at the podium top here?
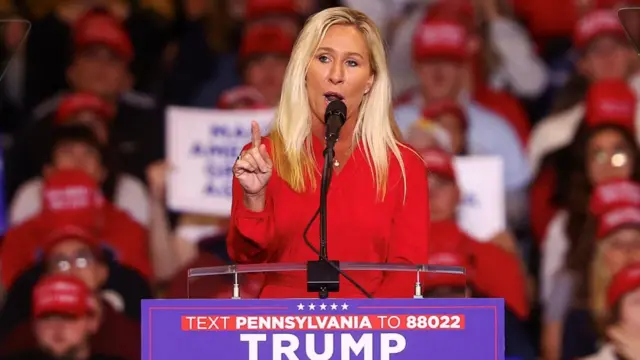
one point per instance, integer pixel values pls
(345, 266)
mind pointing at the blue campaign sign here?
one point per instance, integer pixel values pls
(332, 329)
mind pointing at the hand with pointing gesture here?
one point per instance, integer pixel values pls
(253, 168)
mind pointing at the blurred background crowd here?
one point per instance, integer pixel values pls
(551, 87)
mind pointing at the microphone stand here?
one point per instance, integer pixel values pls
(323, 275)
(327, 173)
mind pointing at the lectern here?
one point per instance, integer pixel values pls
(325, 329)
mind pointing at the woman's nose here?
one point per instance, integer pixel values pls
(336, 76)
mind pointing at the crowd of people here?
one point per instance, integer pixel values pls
(549, 87)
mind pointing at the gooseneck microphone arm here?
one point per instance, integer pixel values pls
(323, 276)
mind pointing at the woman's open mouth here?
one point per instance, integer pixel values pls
(332, 96)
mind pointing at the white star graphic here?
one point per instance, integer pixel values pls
(334, 306)
(300, 307)
(345, 306)
(312, 307)
(323, 306)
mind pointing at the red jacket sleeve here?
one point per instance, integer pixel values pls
(410, 230)
(251, 235)
(499, 274)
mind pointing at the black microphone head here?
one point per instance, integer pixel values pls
(336, 107)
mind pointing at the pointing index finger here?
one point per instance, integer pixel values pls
(256, 137)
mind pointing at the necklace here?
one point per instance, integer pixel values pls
(336, 163)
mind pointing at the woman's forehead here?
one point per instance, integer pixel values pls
(345, 39)
(606, 137)
(69, 245)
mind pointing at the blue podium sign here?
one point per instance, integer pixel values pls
(332, 329)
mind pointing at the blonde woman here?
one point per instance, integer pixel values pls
(378, 200)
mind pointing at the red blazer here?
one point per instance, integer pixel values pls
(360, 227)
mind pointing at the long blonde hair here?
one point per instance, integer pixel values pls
(291, 134)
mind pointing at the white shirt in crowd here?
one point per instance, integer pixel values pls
(130, 196)
(554, 251)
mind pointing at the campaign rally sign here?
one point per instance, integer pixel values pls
(202, 145)
(481, 182)
(330, 329)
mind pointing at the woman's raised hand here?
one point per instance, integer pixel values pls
(254, 167)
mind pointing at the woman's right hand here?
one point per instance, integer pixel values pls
(254, 167)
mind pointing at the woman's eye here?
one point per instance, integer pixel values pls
(352, 63)
(323, 58)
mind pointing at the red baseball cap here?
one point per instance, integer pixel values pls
(63, 232)
(623, 282)
(618, 218)
(100, 28)
(611, 102)
(72, 197)
(61, 294)
(441, 38)
(78, 102)
(439, 108)
(256, 9)
(614, 194)
(596, 23)
(439, 162)
(462, 11)
(245, 97)
(266, 39)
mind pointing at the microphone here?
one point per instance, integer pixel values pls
(334, 117)
(323, 275)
